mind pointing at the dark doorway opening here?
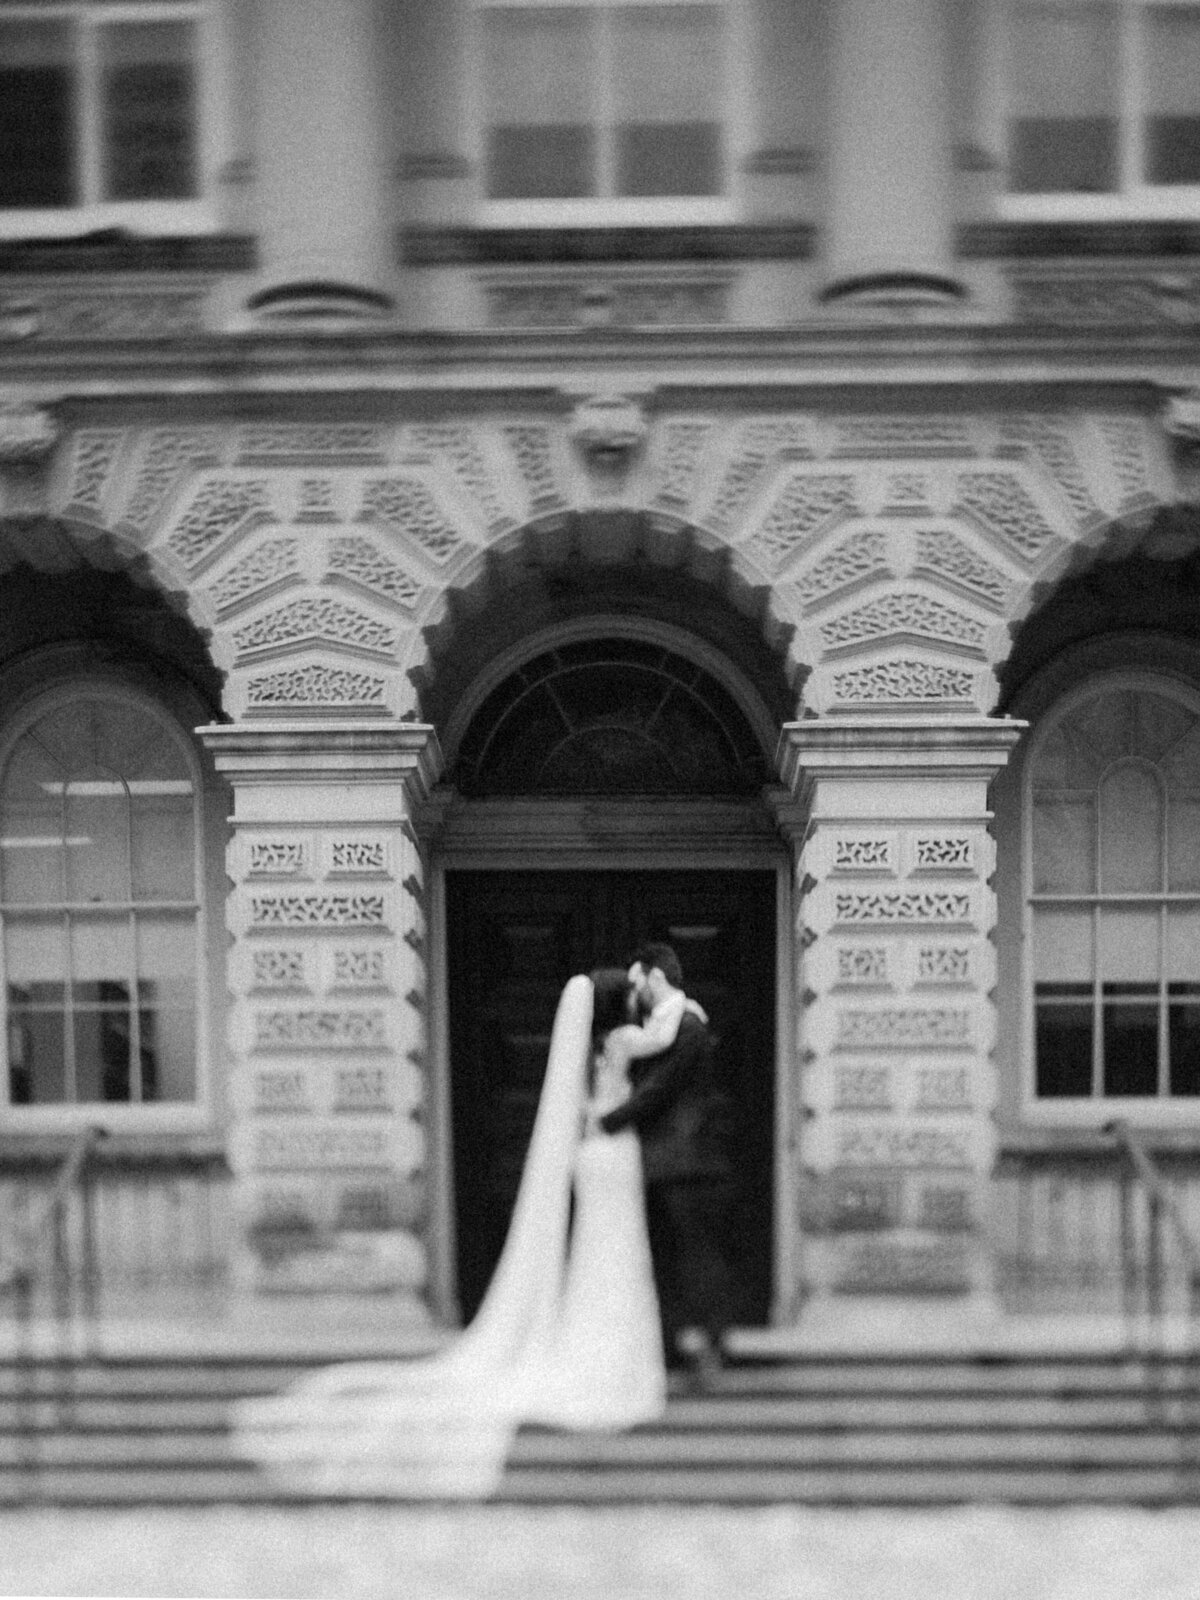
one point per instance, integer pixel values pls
(514, 938)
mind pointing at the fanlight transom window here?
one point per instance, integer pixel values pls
(99, 906)
(1115, 901)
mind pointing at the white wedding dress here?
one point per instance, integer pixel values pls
(565, 1337)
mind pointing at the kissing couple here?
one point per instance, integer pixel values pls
(615, 1253)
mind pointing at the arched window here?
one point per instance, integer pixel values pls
(1114, 894)
(99, 903)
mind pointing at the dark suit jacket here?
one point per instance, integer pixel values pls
(677, 1106)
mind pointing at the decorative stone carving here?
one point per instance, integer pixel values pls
(904, 682)
(944, 963)
(904, 614)
(315, 909)
(406, 506)
(861, 1204)
(281, 1090)
(269, 567)
(1126, 453)
(862, 1089)
(1002, 507)
(27, 433)
(669, 301)
(529, 444)
(320, 1030)
(315, 620)
(1050, 440)
(906, 1145)
(943, 1089)
(358, 857)
(947, 559)
(316, 503)
(903, 1028)
(608, 431)
(760, 445)
(94, 454)
(279, 969)
(324, 1145)
(1097, 300)
(872, 437)
(939, 852)
(316, 687)
(359, 969)
(854, 561)
(277, 858)
(361, 1089)
(222, 509)
(903, 906)
(170, 454)
(355, 560)
(863, 965)
(364, 1207)
(460, 446)
(58, 315)
(680, 455)
(305, 444)
(863, 853)
(945, 1208)
(878, 1267)
(907, 494)
(809, 504)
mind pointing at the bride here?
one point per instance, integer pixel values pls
(568, 1334)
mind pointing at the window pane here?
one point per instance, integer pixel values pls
(163, 860)
(97, 823)
(31, 857)
(37, 93)
(1131, 837)
(1062, 945)
(101, 968)
(1063, 1027)
(1128, 946)
(148, 82)
(539, 69)
(1172, 95)
(1183, 1029)
(667, 76)
(166, 950)
(1130, 1039)
(35, 964)
(1064, 845)
(1064, 98)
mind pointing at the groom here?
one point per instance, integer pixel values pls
(677, 1106)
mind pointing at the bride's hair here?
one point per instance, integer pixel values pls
(611, 986)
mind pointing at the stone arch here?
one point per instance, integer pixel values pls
(884, 559)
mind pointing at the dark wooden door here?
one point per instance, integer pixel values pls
(514, 938)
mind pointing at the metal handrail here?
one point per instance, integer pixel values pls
(1162, 1204)
(19, 1267)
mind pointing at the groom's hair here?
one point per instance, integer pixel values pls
(649, 956)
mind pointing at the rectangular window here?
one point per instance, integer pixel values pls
(613, 107)
(107, 116)
(1102, 105)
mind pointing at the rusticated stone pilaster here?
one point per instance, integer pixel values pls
(896, 1090)
(328, 1000)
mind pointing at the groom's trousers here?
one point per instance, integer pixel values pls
(688, 1223)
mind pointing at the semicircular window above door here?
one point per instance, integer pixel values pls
(610, 716)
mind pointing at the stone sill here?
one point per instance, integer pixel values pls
(112, 251)
(475, 247)
(1029, 1147)
(121, 1152)
(986, 241)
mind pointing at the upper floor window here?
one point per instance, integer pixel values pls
(99, 905)
(1114, 895)
(107, 117)
(1102, 105)
(604, 107)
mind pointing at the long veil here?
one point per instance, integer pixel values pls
(442, 1426)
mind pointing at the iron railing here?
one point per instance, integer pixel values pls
(49, 1266)
(1144, 1270)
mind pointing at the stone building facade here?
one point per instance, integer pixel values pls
(329, 466)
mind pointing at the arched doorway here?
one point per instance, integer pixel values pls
(606, 791)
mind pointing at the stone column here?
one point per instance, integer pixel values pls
(322, 172)
(897, 1084)
(327, 987)
(889, 197)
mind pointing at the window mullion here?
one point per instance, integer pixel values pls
(91, 170)
(70, 1067)
(604, 107)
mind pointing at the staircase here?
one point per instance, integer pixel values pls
(819, 1429)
